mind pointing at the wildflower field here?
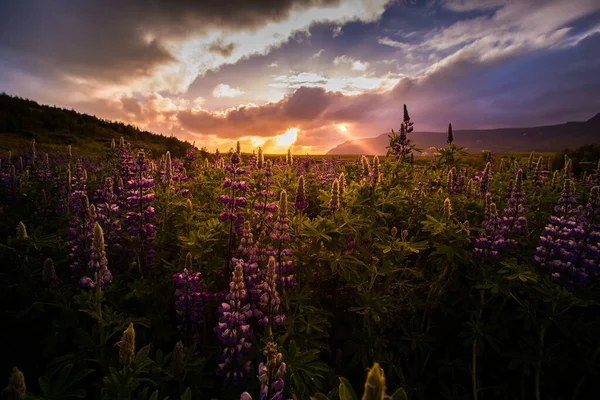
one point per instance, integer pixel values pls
(134, 275)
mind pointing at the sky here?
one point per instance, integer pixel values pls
(305, 74)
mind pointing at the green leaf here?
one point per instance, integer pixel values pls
(187, 395)
(399, 394)
(346, 390)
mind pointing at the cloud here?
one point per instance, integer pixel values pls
(273, 65)
(337, 31)
(223, 90)
(124, 47)
(222, 48)
(318, 53)
(356, 65)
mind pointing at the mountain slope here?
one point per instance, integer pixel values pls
(540, 138)
(22, 120)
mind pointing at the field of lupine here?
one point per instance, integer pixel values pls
(132, 275)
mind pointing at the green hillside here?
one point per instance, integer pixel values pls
(53, 128)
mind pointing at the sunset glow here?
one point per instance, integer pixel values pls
(321, 72)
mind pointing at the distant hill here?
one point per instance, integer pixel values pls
(22, 120)
(540, 138)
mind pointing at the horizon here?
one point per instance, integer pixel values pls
(306, 75)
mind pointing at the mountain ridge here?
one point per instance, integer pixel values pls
(538, 138)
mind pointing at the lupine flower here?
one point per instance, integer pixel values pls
(22, 232)
(451, 182)
(16, 388)
(485, 179)
(98, 264)
(141, 216)
(375, 384)
(538, 180)
(366, 167)
(568, 171)
(342, 184)
(450, 138)
(530, 160)
(269, 301)
(279, 235)
(301, 202)
(569, 246)
(44, 174)
(447, 209)
(289, 158)
(489, 158)
(234, 331)
(107, 212)
(513, 218)
(178, 354)
(376, 174)
(127, 346)
(191, 154)
(49, 272)
(334, 200)
(238, 148)
(270, 374)
(81, 233)
(495, 235)
(502, 166)
(260, 159)
(189, 301)
(33, 153)
(252, 161)
(234, 203)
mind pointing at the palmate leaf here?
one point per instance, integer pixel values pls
(62, 386)
(304, 369)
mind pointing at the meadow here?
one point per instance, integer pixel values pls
(132, 274)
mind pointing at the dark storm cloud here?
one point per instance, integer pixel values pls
(114, 40)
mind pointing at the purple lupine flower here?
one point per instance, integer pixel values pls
(270, 374)
(450, 137)
(189, 301)
(366, 168)
(140, 218)
(249, 251)
(98, 263)
(234, 331)
(280, 235)
(538, 179)
(125, 160)
(513, 218)
(191, 154)
(376, 172)
(107, 212)
(569, 246)
(334, 200)
(234, 203)
(252, 161)
(300, 203)
(495, 235)
(451, 182)
(44, 174)
(268, 307)
(485, 179)
(81, 232)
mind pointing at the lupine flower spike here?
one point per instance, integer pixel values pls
(334, 200)
(127, 346)
(16, 389)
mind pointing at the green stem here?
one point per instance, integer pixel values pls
(538, 364)
(100, 322)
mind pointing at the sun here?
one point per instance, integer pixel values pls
(342, 128)
(286, 139)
